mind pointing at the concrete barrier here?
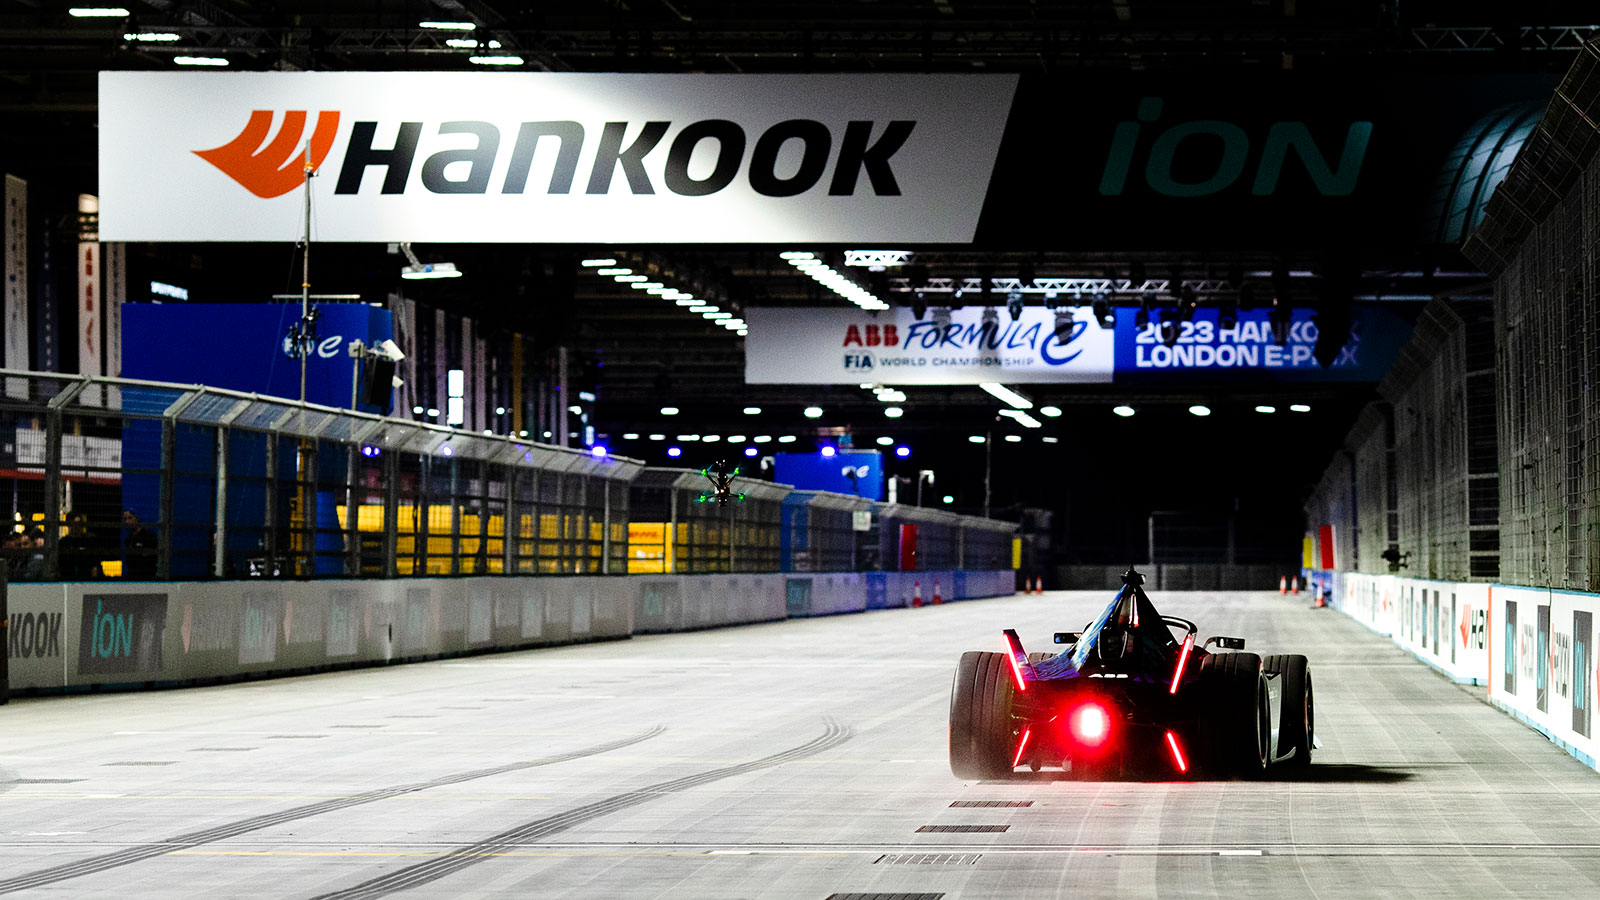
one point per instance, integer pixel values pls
(86, 635)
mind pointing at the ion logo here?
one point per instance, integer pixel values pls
(121, 633)
(277, 168)
(1330, 179)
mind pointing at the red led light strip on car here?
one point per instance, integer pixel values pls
(1026, 733)
(1017, 657)
(1177, 755)
(1183, 659)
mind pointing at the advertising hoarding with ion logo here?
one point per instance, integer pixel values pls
(547, 157)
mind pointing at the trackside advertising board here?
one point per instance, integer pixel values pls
(547, 157)
(1534, 648)
(841, 346)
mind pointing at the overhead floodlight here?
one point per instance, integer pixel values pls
(1123, 411)
(462, 43)
(710, 438)
(631, 436)
(449, 26)
(1200, 409)
(495, 60)
(978, 439)
(813, 412)
(674, 451)
(430, 270)
(948, 499)
(1051, 440)
(1266, 409)
(1051, 411)
(752, 410)
(669, 410)
(885, 441)
(893, 412)
(199, 60)
(646, 285)
(902, 451)
(762, 439)
(1299, 407)
(703, 308)
(598, 263)
(98, 12)
(1007, 395)
(742, 332)
(786, 439)
(828, 452)
(418, 269)
(735, 438)
(1021, 418)
(151, 37)
(658, 437)
(613, 271)
(1013, 438)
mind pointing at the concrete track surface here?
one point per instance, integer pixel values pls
(791, 760)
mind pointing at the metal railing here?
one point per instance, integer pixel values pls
(119, 478)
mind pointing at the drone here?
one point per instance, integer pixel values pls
(721, 484)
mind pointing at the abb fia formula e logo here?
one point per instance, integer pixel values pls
(279, 167)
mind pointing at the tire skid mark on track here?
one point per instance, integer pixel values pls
(530, 832)
(142, 852)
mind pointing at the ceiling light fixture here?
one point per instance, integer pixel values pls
(893, 412)
(1007, 395)
(885, 441)
(813, 412)
(1021, 418)
(495, 60)
(1200, 409)
(449, 26)
(978, 439)
(151, 36)
(1051, 411)
(199, 60)
(826, 276)
(1123, 411)
(1266, 409)
(752, 410)
(669, 410)
(1299, 407)
(98, 12)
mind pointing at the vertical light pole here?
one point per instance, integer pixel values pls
(988, 458)
(305, 277)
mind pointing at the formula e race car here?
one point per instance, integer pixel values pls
(1130, 696)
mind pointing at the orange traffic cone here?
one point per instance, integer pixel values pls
(936, 596)
(1038, 585)
(1283, 584)
(1294, 585)
(916, 593)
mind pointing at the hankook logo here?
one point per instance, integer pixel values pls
(279, 167)
(787, 159)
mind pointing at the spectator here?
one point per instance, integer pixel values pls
(77, 551)
(140, 561)
(33, 569)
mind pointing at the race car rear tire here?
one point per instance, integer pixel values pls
(1297, 723)
(980, 716)
(1234, 724)
(1039, 656)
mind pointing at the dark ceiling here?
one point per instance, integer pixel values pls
(642, 351)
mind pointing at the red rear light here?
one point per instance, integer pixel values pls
(1089, 724)
(1183, 659)
(1177, 755)
(1018, 658)
(1017, 761)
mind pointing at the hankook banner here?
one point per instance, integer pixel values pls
(547, 157)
